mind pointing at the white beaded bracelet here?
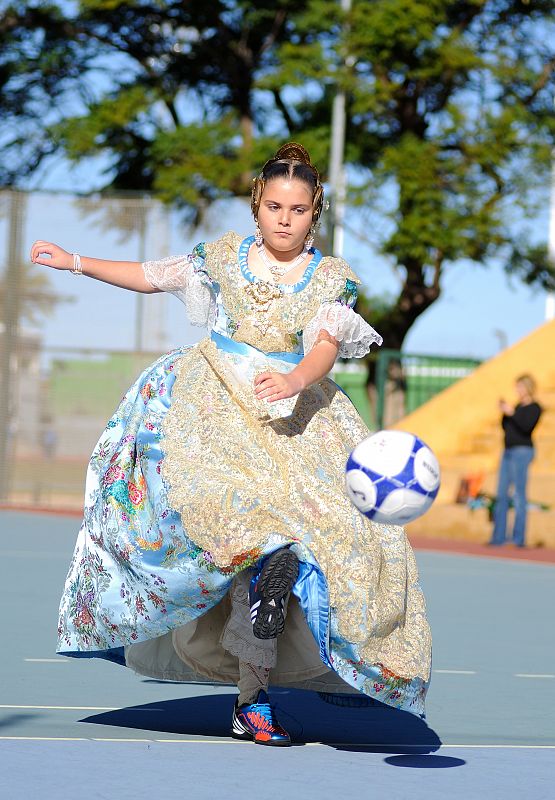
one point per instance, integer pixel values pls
(77, 268)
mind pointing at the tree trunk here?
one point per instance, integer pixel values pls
(246, 125)
(415, 297)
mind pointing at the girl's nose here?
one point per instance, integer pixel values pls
(285, 219)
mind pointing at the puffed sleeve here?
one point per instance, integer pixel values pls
(186, 277)
(354, 334)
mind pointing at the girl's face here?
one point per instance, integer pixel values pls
(285, 214)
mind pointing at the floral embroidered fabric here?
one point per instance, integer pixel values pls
(190, 484)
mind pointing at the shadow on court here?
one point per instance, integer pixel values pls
(418, 761)
(376, 729)
(9, 720)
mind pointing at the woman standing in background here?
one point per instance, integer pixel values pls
(518, 424)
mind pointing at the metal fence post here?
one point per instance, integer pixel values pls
(8, 351)
(381, 377)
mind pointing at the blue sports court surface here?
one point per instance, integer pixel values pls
(90, 729)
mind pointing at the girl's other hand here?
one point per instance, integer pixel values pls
(274, 386)
(59, 258)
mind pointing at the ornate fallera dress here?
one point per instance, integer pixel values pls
(194, 480)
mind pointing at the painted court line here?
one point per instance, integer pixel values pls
(64, 708)
(437, 671)
(85, 708)
(503, 746)
(455, 671)
(43, 739)
(531, 675)
(105, 739)
(389, 745)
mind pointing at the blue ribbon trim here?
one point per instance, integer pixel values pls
(231, 346)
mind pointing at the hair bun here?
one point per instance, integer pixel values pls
(294, 152)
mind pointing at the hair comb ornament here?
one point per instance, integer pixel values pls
(293, 151)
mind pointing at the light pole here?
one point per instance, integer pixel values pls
(550, 299)
(336, 168)
(10, 335)
(142, 208)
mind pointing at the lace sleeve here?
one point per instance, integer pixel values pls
(355, 336)
(186, 278)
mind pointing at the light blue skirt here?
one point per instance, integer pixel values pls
(136, 574)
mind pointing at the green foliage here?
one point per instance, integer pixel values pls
(532, 265)
(85, 135)
(374, 307)
(197, 162)
(450, 111)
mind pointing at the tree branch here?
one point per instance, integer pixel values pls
(284, 110)
(277, 25)
(170, 105)
(542, 81)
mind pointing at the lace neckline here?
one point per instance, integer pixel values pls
(286, 288)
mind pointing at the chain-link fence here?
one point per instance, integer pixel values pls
(64, 397)
(405, 381)
(69, 348)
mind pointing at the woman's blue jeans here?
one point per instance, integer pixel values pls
(513, 472)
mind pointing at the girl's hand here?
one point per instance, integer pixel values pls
(59, 258)
(274, 386)
(507, 409)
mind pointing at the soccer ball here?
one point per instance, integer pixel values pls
(392, 477)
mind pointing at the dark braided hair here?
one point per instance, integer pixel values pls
(291, 161)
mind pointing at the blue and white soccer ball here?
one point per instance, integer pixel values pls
(392, 477)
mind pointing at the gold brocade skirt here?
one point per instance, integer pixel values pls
(242, 480)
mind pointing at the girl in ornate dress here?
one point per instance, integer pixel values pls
(215, 501)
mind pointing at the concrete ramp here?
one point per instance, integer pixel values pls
(462, 426)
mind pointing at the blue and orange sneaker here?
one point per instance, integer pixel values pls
(256, 722)
(268, 590)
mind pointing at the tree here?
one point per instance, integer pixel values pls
(164, 88)
(450, 124)
(450, 128)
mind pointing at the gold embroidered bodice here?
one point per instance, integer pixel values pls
(263, 314)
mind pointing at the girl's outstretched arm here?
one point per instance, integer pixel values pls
(314, 366)
(126, 274)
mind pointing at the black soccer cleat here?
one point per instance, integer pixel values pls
(268, 590)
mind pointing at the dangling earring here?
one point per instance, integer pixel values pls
(309, 241)
(258, 238)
